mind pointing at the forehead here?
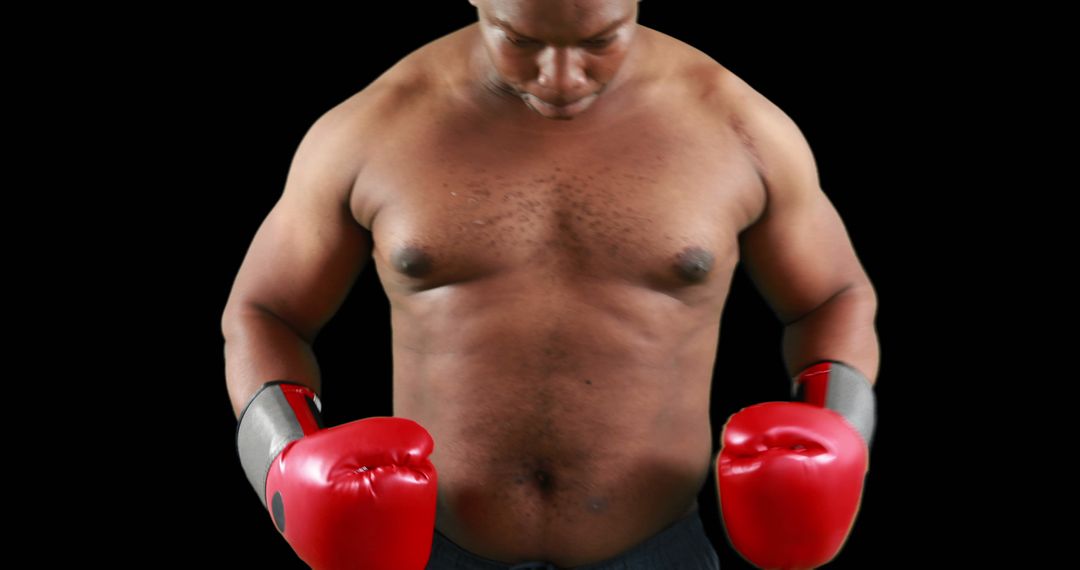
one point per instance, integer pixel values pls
(559, 19)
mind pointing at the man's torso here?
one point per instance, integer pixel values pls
(555, 301)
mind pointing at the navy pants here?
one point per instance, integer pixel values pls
(681, 546)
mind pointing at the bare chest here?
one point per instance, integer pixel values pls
(657, 204)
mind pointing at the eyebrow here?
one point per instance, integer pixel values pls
(504, 24)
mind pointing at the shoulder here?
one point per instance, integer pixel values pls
(346, 133)
(418, 78)
(768, 137)
(353, 132)
(771, 138)
(332, 152)
(420, 74)
(723, 98)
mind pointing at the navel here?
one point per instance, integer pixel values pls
(538, 474)
(543, 479)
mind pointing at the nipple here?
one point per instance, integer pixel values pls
(693, 263)
(412, 261)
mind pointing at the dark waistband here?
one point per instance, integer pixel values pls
(684, 533)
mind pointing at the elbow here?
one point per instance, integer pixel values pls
(861, 289)
(859, 294)
(237, 315)
(866, 290)
(230, 317)
(239, 318)
(864, 302)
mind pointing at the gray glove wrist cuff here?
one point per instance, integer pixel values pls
(270, 421)
(842, 388)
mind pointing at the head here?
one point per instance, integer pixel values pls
(556, 56)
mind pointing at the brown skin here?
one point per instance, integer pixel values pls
(556, 285)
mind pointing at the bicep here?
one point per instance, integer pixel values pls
(798, 252)
(309, 250)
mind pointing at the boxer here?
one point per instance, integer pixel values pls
(555, 199)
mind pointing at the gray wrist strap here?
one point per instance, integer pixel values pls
(841, 388)
(267, 424)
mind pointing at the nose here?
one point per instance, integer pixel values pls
(562, 74)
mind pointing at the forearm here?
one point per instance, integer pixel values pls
(260, 347)
(841, 329)
(782, 505)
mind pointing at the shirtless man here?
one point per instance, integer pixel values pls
(555, 198)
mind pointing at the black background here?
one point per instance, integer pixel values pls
(214, 104)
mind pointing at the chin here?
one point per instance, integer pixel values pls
(560, 113)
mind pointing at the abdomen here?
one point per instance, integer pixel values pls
(567, 434)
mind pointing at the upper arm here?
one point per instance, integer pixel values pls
(309, 250)
(798, 252)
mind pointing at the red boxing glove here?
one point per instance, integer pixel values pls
(790, 474)
(358, 495)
